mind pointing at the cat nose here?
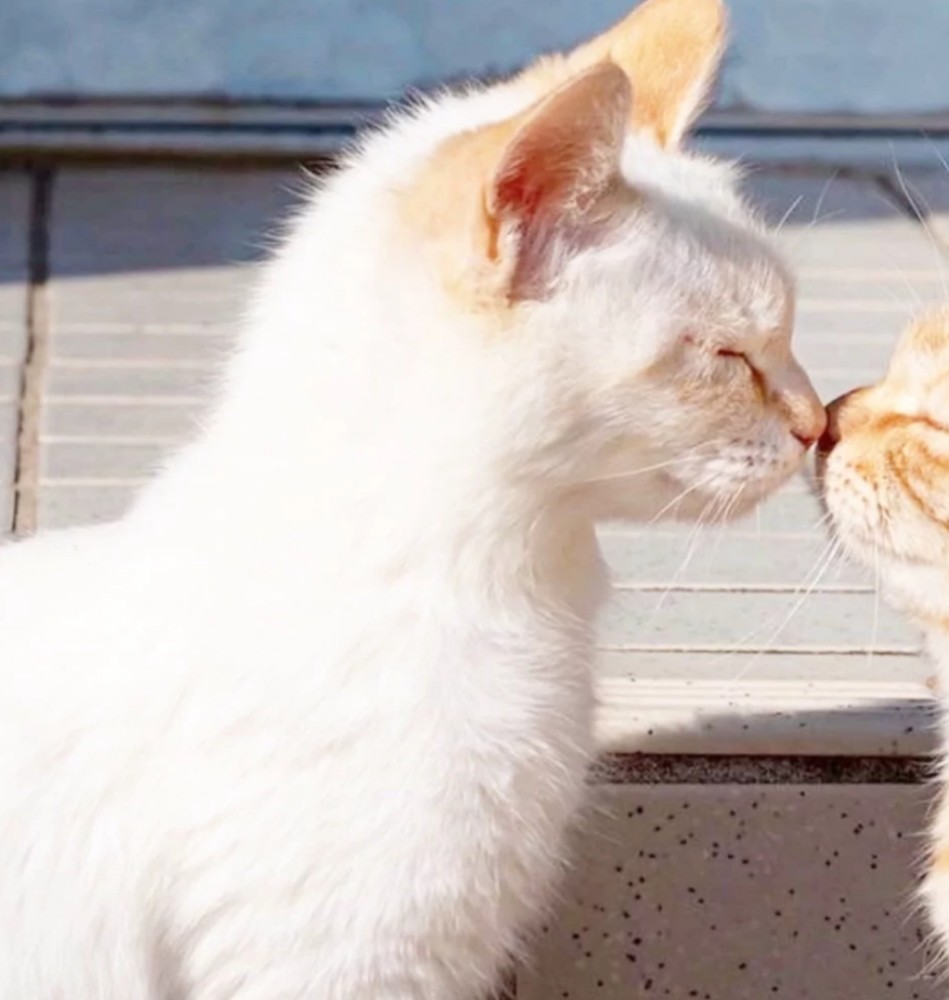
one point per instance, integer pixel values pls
(837, 413)
(797, 402)
(805, 415)
(806, 439)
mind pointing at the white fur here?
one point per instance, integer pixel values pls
(313, 719)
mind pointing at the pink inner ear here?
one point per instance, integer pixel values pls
(559, 162)
(521, 191)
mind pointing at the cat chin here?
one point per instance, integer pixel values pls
(729, 499)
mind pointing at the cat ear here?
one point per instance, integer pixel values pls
(554, 168)
(497, 204)
(671, 51)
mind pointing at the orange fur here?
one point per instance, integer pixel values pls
(884, 466)
(559, 155)
(669, 49)
(479, 195)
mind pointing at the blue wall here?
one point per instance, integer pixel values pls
(798, 55)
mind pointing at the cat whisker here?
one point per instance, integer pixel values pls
(936, 150)
(701, 523)
(823, 563)
(816, 217)
(922, 211)
(822, 522)
(716, 510)
(787, 215)
(876, 604)
(723, 517)
(679, 497)
(823, 195)
(679, 460)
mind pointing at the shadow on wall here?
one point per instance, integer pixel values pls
(786, 55)
(111, 221)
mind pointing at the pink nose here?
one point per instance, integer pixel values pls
(805, 439)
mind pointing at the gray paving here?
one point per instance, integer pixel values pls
(148, 270)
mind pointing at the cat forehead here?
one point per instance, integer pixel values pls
(684, 176)
(922, 354)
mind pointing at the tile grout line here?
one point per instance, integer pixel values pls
(25, 499)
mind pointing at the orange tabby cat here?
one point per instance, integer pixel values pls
(884, 468)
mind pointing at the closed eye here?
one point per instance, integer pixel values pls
(724, 352)
(732, 356)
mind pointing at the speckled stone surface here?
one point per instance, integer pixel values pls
(741, 893)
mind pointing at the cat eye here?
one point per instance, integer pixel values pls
(725, 352)
(732, 355)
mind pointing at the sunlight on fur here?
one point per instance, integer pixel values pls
(314, 719)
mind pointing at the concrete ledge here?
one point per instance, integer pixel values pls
(767, 717)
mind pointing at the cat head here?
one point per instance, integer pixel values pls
(624, 311)
(883, 463)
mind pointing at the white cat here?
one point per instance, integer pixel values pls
(311, 721)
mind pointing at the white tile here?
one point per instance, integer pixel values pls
(133, 344)
(741, 893)
(62, 507)
(176, 293)
(837, 287)
(13, 305)
(726, 560)
(6, 511)
(118, 420)
(751, 620)
(9, 426)
(129, 382)
(12, 340)
(9, 382)
(794, 510)
(108, 461)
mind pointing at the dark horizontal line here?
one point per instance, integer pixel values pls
(163, 126)
(694, 769)
(824, 132)
(173, 128)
